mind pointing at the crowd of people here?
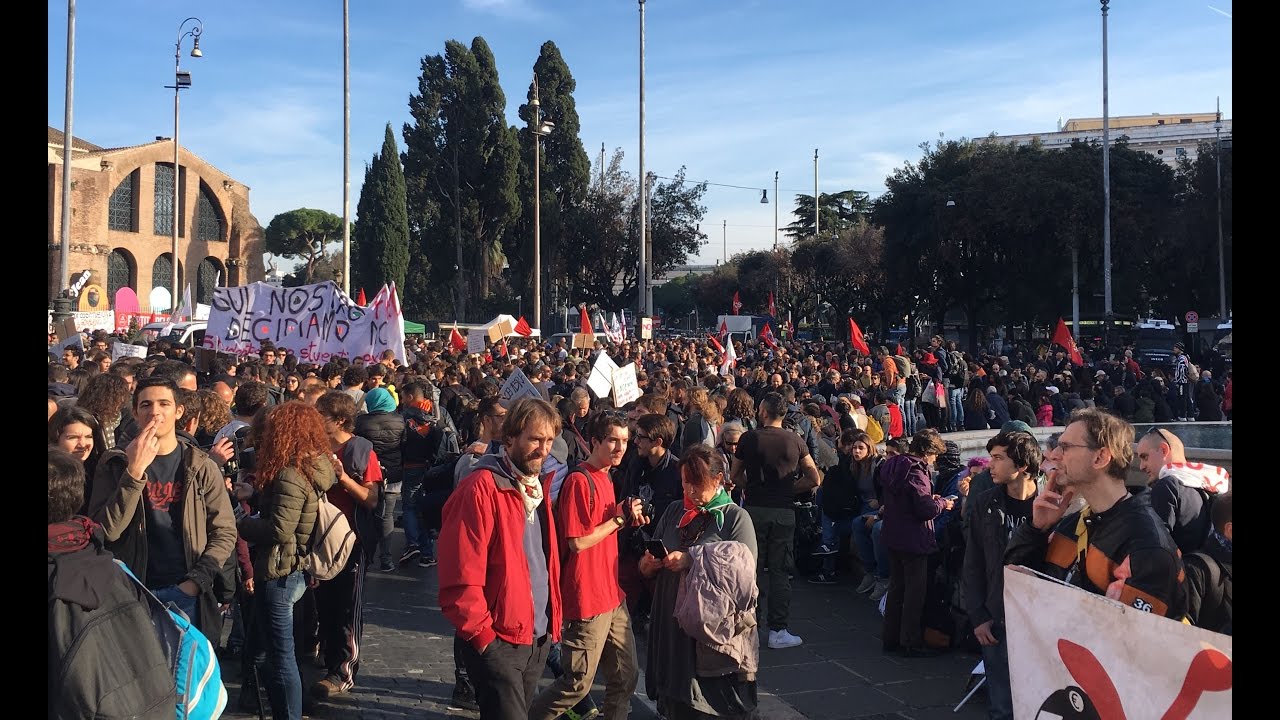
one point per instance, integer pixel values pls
(565, 530)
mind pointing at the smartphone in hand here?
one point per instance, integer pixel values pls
(656, 548)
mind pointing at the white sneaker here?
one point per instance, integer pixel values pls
(867, 585)
(882, 587)
(779, 639)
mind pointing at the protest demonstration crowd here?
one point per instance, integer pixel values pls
(632, 512)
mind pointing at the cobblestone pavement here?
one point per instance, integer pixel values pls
(839, 672)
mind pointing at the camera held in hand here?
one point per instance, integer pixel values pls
(647, 508)
(244, 457)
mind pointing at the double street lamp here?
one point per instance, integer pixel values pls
(540, 129)
(181, 80)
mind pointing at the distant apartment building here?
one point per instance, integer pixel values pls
(1168, 137)
(122, 220)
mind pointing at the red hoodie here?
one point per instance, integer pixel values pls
(485, 590)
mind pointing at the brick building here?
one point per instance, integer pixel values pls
(121, 220)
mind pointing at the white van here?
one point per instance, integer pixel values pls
(188, 334)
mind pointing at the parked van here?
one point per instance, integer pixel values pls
(188, 334)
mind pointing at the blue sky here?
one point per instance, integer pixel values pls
(734, 89)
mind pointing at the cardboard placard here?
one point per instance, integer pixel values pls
(204, 358)
(121, 349)
(500, 330)
(584, 341)
(601, 380)
(516, 387)
(625, 386)
(66, 328)
(475, 342)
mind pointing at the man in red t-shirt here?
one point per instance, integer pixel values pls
(597, 628)
(339, 612)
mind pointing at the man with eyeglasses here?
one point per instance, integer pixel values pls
(1115, 546)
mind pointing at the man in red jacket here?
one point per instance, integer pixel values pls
(499, 564)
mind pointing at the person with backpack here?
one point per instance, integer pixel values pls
(104, 654)
(294, 467)
(381, 425)
(597, 628)
(339, 609)
(1182, 493)
(427, 443)
(1209, 574)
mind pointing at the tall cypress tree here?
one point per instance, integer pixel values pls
(382, 223)
(566, 173)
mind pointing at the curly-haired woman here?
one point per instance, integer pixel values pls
(106, 396)
(293, 468)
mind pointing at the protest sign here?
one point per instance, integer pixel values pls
(204, 358)
(1082, 655)
(601, 379)
(625, 386)
(95, 320)
(499, 330)
(121, 349)
(475, 342)
(583, 341)
(317, 322)
(516, 387)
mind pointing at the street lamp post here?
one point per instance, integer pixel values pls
(1106, 187)
(540, 129)
(641, 276)
(1222, 268)
(520, 304)
(180, 80)
(62, 302)
(775, 210)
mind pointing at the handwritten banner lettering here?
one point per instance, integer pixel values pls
(625, 386)
(516, 387)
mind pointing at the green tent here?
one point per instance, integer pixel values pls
(413, 328)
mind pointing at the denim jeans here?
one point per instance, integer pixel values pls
(832, 530)
(909, 417)
(881, 551)
(899, 394)
(956, 401)
(387, 513)
(413, 534)
(995, 659)
(271, 642)
(862, 541)
(186, 603)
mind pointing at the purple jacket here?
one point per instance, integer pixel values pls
(909, 507)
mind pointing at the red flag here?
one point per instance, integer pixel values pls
(1062, 336)
(360, 298)
(773, 309)
(501, 349)
(584, 321)
(856, 339)
(456, 341)
(522, 328)
(724, 330)
(715, 343)
(737, 303)
(767, 336)
(899, 350)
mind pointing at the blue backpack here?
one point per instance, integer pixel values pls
(201, 694)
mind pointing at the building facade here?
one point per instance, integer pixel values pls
(1168, 137)
(122, 220)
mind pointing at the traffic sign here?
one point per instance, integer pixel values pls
(1192, 316)
(1193, 327)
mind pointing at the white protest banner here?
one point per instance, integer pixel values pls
(121, 349)
(317, 322)
(601, 379)
(95, 320)
(475, 342)
(625, 386)
(516, 387)
(1078, 654)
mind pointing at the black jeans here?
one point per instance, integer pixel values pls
(339, 608)
(904, 603)
(506, 676)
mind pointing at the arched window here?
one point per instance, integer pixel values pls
(121, 272)
(162, 275)
(210, 276)
(164, 201)
(123, 212)
(209, 223)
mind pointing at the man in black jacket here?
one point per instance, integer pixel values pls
(105, 655)
(1209, 574)
(991, 519)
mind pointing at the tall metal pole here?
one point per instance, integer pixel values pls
(194, 32)
(346, 150)
(1106, 185)
(1075, 291)
(601, 167)
(64, 249)
(816, 212)
(1221, 265)
(775, 210)
(724, 238)
(537, 206)
(642, 276)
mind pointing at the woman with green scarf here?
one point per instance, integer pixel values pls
(707, 515)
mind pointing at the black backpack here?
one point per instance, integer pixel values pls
(1217, 598)
(913, 387)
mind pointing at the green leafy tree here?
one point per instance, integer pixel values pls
(325, 268)
(1191, 270)
(382, 224)
(676, 297)
(565, 174)
(840, 211)
(303, 234)
(714, 292)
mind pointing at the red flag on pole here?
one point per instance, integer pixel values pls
(456, 341)
(584, 321)
(716, 344)
(522, 328)
(773, 309)
(360, 300)
(737, 303)
(856, 339)
(500, 350)
(1062, 336)
(899, 350)
(767, 336)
